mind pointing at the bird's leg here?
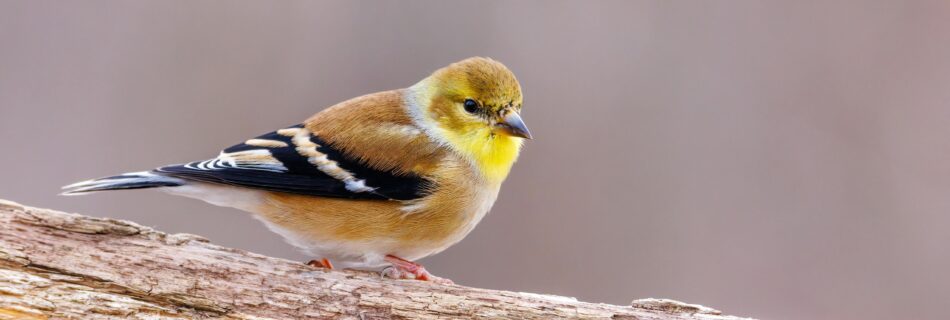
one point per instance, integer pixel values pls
(322, 263)
(405, 269)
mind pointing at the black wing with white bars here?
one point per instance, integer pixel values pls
(296, 161)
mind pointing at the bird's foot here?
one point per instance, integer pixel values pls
(405, 269)
(322, 263)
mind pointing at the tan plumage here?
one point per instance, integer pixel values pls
(456, 133)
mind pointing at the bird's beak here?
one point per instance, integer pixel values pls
(513, 125)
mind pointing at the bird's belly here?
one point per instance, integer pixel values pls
(367, 254)
(360, 233)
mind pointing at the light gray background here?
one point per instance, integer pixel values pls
(777, 159)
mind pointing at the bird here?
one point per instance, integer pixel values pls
(375, 182)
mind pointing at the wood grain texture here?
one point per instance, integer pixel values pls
(56, 265)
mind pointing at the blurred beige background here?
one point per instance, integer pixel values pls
(776, 159)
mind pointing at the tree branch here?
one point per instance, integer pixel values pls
(62, 265)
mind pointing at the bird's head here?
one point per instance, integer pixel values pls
(473, 106)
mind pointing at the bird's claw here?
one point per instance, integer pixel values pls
(322, 263)
(405, 269)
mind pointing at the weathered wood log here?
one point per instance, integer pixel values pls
(62, 265)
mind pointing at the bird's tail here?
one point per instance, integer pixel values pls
(132, 180)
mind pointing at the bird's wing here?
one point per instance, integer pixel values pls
(293, 160)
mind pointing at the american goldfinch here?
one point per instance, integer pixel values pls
(374, 182)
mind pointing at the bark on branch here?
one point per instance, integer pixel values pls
(62, 265)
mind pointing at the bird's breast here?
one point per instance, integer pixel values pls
(444, 219)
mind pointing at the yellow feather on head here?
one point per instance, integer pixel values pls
(475, 132)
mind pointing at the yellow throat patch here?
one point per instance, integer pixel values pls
(493, 154)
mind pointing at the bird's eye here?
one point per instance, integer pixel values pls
(471, 106)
